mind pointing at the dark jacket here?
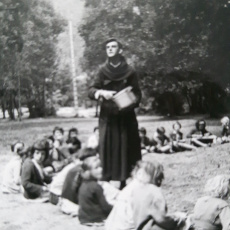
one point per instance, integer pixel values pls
(71, 184)
(93, 206)
(31, 180)
(119, 142)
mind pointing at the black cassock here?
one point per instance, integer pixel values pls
(119, 142)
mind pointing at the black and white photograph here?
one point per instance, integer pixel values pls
(114, 115)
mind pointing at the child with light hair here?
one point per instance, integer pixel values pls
(141, 204)
(225, 134)
(212, 211)
(93, 206)
(72, 183)
(11, 176)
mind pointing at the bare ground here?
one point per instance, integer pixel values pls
(185, 172)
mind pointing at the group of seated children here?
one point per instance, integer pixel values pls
(31, 169)
(198, 137)
(72, 179)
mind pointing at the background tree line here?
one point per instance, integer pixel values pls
(179, 49)
(28, 51)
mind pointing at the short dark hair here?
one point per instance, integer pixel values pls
(161, 130)
(50, 138)
(57, 128)
(74, 130)
(112, 40)
(199, 122)
(41, 145)
(143, 130)
(87, 152)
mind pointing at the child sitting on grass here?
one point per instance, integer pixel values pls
(179, 144)
(58, 136)
(73, 137)
(73, 180)
(34, 180)
(12, 173)
(59, 155)
(225, 134)
(145, 141)
(161, 141)
(200, 137)
(141, 203)
(212, 211)
(93, 207)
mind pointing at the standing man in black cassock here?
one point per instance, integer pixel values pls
(119, 142)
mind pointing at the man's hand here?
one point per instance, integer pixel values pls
(107, 94)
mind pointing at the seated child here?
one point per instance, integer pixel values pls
(93, 207)
(73, 134)
(11, 175)
(59, 155)
(141, 203)
(34, 180)
(212, 211)
(145, 141)
(72, 182)
(225, 135)
(58, 136)
(200, 137)
(179, 144)
(161, 141)
(93, 141)
(58, 180)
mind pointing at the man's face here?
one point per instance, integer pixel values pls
(112, 49)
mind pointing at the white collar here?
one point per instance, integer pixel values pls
(115, 66)
(39, 168)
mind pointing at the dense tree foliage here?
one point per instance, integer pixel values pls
(179, 48)
(28, 41)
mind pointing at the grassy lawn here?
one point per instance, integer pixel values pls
(185, 173)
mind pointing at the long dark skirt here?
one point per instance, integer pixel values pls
(119, 145)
